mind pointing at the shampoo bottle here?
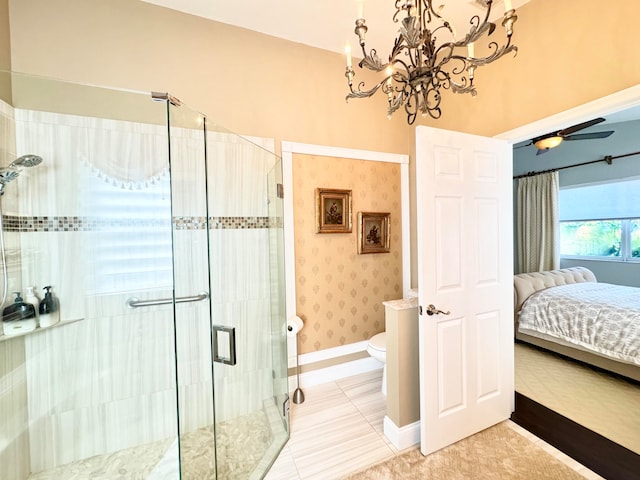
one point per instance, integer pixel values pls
(32, 299)
(49, 309)
(20, 317)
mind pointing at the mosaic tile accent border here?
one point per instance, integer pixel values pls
(14, 223)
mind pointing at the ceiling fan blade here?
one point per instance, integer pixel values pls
(589, 136)
(580, 126)
(525, 145)
(540, 152)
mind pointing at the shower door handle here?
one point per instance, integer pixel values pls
(134, 302)
(224, 344)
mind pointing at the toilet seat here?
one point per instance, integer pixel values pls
(379, 342)
(377, 347)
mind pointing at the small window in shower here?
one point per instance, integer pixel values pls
(130, 235)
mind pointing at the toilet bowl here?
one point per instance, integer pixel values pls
(377, 348)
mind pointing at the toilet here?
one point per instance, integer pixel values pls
(377, 348)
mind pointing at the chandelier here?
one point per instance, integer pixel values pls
(419, 66)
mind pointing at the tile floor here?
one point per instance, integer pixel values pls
(338, 430)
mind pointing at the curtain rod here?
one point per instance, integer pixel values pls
(609, 159)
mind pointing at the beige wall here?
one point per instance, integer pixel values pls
(339, 293)
(250, 83)
(570, 52)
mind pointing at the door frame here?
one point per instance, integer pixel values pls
(288, 149)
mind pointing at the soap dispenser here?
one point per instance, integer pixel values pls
(19, 317)
(33, 299)
(49, 309)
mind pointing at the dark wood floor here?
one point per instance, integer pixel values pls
(598, 453)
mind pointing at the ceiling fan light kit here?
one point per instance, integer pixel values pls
(421, 64)
(545, 143)
(551, 140)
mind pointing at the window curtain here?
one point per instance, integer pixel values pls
(538, 223)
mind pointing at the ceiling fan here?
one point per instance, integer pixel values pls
(546, 142)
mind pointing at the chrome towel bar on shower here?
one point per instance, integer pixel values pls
(134, 302)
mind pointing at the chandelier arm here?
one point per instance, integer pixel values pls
(430, 10)
(486, 18)
(359, 93)
(410, 108)
(446, 26)
(371, 60)
(498, 53)
(399, 5)
(395, 102)
(463, 86)
(427, 102)
(476, 61)
(398, 47)
(474, 34)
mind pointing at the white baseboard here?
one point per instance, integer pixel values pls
(326, 354)
(402, 437)
(335, 372)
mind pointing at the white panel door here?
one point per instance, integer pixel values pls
(465, 264)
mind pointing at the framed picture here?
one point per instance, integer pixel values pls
(333, 211)
(373, 232)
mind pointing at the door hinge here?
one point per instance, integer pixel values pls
(419, 309)
(280, 190)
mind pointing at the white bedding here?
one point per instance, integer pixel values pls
(599, 317)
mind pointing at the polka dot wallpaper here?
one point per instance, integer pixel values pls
(339, 292)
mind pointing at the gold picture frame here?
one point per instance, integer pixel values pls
(373, 232)
(333, 211)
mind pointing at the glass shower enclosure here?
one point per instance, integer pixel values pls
(161, 236)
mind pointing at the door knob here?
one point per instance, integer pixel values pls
(432, 310)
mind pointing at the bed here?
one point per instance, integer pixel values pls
(569, 312)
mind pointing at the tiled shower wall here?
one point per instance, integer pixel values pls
(107, 381)
(14, 419)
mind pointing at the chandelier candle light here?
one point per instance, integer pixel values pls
(419, 66)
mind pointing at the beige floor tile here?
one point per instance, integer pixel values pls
(333, 461)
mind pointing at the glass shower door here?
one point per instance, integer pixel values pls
(229, 300)
(247, 301)
(190, 240)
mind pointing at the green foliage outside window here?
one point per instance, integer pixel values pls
(600, 238)
(634, 233)
(595, 238)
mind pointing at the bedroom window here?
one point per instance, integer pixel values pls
(601, 238)
(601, 221)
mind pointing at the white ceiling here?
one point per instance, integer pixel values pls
(326, 24)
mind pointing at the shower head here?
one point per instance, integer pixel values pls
(28, 160)
(12, 172)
